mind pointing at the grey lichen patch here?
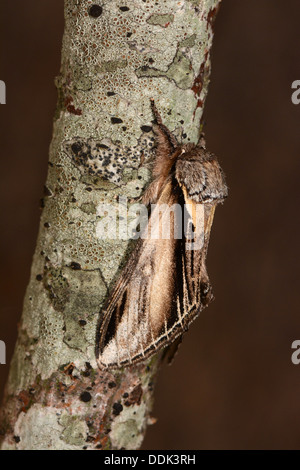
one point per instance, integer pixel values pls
(82, 81)
(87, 289)
(39, 429)
(102, 163)
(98, 182)
(86, 296)
(126, 429)
(61, 335)
(128, 175)
(160, 19)
(180, 71)
(20, 369)
(88, 208)
(107, 51)
(111, 66)
(188, 42)
(73, 336)
(75, 430)
(57, 287)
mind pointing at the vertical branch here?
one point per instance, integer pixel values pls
(114, 59)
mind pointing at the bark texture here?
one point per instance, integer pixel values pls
(115, 57)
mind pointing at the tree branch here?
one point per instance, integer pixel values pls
(114, 59)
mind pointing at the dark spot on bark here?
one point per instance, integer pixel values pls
(86, 373)
(128, 35)
(25, 400)
(124, 128)
(135, 396)
(69, 371)
(85, 397)
(117, 408)
(47, 191)
(125, 395)
(212, 16)
(82, 322)
(110, 93)
(75, 266)
(89, 189)
(146, 128)
(72, 110)
(17, 439)
(39, 277)
(46, 225)
(124, 8)
(112, 384)
(73, 199)
(76, 147)
(95, 11)
(116, 120)
(151, 60)
(99, 446)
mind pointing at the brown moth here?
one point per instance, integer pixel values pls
(164, 285)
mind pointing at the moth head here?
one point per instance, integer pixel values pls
(200, 173)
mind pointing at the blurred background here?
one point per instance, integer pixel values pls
(232, 385)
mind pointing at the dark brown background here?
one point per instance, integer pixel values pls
(232, 386)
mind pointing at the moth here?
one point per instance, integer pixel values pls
(164, 285)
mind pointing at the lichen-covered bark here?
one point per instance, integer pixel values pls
(115, 56)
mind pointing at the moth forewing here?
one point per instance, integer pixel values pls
(144, 293)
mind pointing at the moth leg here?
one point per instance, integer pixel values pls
(202, 141)
(171, 350)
